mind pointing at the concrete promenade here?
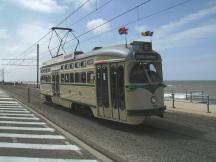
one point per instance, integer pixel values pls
(191, 107)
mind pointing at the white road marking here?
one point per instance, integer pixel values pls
(26, 128)
(18, 122)
(38, 136)
(11, 107)
(9, 111)
(29, 159)
(38, 146)
(8, 102)
(12, 117)
(15, 114)
(6, 97)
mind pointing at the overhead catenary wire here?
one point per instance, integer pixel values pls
(72, 13)
(138, 19)
(59, 23)
(141, 18)
(110, 20)
(129, 23)
(144, 17)
(19, 64)
(85, 16)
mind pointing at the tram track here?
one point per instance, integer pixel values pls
(177, 137)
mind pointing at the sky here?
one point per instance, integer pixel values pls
(185, 36)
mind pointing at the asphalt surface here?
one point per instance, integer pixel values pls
(176, 137)
(25, 137)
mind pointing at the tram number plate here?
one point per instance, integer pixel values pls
(142, 56)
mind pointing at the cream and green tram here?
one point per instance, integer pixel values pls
(123, 83)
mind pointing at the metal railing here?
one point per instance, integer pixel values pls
(192, 96)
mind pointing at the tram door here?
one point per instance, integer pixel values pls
(117, 91)
(102, 90)
(55, 83)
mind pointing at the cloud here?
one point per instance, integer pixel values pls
(187, 37)
(141, 28)
(4, 34)
(90, 5)
(45, 6)
(177, 25)
(96, 22)
(30, 32)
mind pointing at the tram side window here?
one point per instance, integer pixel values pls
(41, 79)
(48, 78)
(77, 65)
(53, 78)
(62, 77)
(71, 77)
(71, 66)
(66, 67)
(77, 78)
(83, 64)
(83, 77)
(89, 62)
(90, 77)
(66, 78)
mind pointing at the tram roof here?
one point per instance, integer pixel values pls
(120, 51)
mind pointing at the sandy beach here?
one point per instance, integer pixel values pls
(193, 108)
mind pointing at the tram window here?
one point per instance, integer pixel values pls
(48, 78)
(77, 78)
(77, 65)
(41, 78)
(83, 77)
(71, 66)
(90, 77)
(62, 77)
(83, 64)
(66, 67)
(144, 73)
(154, 72)
(138, 74)
(72, 77)
(66, 78)
(53, 78)
(89, 62)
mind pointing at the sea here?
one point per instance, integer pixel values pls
(199, 89)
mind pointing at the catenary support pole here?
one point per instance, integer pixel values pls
(2, 75)
(29, 100)
(37, 65)
(208, 104)
(173, 100)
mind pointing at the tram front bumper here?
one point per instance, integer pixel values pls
(147, 112)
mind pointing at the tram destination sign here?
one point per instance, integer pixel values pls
(144, 56)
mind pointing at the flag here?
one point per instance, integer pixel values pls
(123, 30)
(147, 33)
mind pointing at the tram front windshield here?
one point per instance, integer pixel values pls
(146, 73)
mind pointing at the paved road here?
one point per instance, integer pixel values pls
(178, 137)
(26, 138)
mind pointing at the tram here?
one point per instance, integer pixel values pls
(122, 83)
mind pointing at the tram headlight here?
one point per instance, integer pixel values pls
(153, 99)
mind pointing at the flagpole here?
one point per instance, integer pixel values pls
(126, 40)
